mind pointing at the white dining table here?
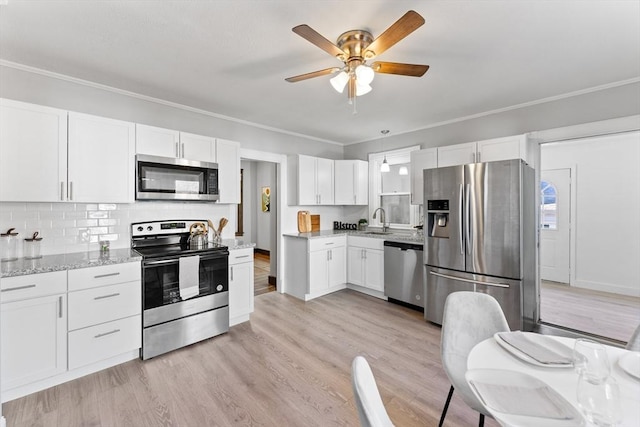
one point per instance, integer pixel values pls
(490, 355)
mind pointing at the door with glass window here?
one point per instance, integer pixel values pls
(555, 232)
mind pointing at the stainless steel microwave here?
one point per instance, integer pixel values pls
(165, 178)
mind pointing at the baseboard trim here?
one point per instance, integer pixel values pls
(262, 251)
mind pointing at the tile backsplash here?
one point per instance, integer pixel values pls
(77, 227)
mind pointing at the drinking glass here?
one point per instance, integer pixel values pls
(590, 359)
(599, 401)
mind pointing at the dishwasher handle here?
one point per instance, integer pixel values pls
(404, 246)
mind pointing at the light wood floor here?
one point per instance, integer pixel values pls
(289, 366)
(600, 313)
(261, 269)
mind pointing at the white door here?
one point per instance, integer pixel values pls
(458, 154)
(318, 271)
(307, 192)
(355, 267)
(157, 141)
(197, 147)
(337, 266)
(374, 269)
(324, 181)
(228, 159)
(555, 225)
(240, 290)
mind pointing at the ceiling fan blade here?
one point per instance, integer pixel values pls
(412, 70)
(312, 74)
(400, 29)
(311, 35)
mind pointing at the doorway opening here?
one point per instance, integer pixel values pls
(590, 236)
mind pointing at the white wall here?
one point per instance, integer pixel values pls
(605, 221)
(265, 221)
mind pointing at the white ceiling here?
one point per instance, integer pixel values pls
(230, 57)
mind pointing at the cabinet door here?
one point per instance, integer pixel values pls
(157, 141)
(459, 154)
(511, 147)
(34, 340)
(33, 153)
(324, 181)
(337, 266)
(421, 160)
(307, 192)
(318, 271)
(240, 289)
(362, 182)
(374, 269)
(101, 159)
(228, 159)
(345, 182)
(355, 266)
(197, 147)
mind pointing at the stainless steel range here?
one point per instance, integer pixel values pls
(185, 290)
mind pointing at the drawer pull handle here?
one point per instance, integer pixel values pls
(100, 276)
(107, 333)
(242, 256)
(17, 288)
(107, 296)
(330, 243)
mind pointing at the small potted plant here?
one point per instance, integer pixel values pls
(362, 224)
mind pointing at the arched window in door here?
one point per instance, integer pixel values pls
(548, 206)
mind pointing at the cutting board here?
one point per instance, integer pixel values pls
(304, 221)
(315, 222)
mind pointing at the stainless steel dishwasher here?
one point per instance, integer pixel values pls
(404, 273)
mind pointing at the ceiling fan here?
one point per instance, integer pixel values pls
(354, 48)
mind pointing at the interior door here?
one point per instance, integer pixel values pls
(555, 227)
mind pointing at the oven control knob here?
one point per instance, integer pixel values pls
(140, 228)
(219, 288)
(149, 228)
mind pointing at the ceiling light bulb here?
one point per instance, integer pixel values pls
(362, 89)
(339, 81)
(384, 167)
(403, 170)
(364, 74)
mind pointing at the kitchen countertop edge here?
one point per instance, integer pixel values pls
(395, 237)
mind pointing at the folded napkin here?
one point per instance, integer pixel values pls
(189, 276)
(535, 401)
(542, 349)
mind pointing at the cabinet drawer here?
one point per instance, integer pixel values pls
(100, 342)
(366, 242)
(33, 285)
(237, 256)
(104, 304)
(326, 243)
(85, 278)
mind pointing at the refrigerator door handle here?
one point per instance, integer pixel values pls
(475, 282)
(460, 221)
(467, 204)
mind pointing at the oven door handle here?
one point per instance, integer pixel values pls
(160, 262)
(176, 259)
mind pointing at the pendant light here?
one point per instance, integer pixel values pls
(403, 170)
(384, 167)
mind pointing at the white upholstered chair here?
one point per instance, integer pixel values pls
(371, 410)
(634, 341)
(469, 318)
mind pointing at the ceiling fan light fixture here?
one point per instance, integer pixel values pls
(362, 89)
(364, 74)
(339, 81)
(384, 167)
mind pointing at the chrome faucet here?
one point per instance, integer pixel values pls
(385, 227)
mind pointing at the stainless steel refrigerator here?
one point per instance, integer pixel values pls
(480, 236)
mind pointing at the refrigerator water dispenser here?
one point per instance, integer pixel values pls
(438, 218)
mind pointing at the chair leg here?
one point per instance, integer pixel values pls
(481, 423)
(446, 406)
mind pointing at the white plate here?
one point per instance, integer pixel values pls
(500, 377)
(630, 363)
(526, 358)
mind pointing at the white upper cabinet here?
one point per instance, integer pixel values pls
(311, 181)
(351, 181)
(101, 159)
(162, 142)
(197, 147)
(459, 154)
(33, 152)
(490, 150)
(227, 155)
(421, 160)
(157, 141)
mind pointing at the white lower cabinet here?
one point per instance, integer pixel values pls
(240, 285)
(34, 328)
(315, 267)
(366, 262)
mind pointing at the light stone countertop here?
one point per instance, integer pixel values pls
(237, 244)
(71, 261)
(394, 236)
